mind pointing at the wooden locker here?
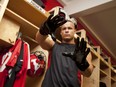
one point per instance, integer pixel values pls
(8, 31)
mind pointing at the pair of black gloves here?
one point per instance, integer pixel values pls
(81, 50)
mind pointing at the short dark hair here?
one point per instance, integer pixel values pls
(75, 25)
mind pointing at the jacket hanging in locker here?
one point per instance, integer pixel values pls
(10, 60)
(13, 52)
(21, 75)
(17, 67)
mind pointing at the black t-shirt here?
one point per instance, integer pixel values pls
(63, 70)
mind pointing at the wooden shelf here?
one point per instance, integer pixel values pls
(81, 33)
(113, 82)
(102, 73)
(104, 68)
(28, 11)
(27, 28)
(3, 4)
(8, 31)
(97, 49)
(32, 43)
(113, 74)
(113, 70)
(103, 63)
(94, 53)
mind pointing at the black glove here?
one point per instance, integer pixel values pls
(51, 24)
(79, 55)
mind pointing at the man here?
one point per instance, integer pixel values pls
(68, 57)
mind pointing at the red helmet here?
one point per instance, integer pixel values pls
(37, 64)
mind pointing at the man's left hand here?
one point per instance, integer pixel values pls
(80, 54)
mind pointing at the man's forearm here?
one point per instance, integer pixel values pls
(45, 41)
(88, 71)
(40, 38)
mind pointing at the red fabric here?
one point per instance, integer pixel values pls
(3, 69)
(15, 53)
(5, 59)
(4, 73)
(49, 4)
(37, 66)
(3, 76)
(1, 54)
(79, 76)
(21, 75)
(49, 59)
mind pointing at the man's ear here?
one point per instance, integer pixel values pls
(76, 30)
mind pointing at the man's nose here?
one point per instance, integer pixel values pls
(66, 31)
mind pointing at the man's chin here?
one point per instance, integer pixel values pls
(67, 39)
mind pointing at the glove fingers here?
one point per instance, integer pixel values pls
(49, 18)
(58, 20)
(87, 52)
(77, 44)
(61, 23)
(84, 46)
(85, 56)
(55, 18)
(81, 44)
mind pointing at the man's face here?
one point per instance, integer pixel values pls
(67, 31)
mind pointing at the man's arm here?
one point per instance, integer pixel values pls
(89, 70)
(82, 57)
(48, 28)
(45, 41)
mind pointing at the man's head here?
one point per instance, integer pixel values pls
(67, 31)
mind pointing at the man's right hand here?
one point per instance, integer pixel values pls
(80, 54)
(51, 24)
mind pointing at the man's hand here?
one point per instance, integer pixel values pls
(80, 54)
(51, 24)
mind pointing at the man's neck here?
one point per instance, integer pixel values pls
(69, 42)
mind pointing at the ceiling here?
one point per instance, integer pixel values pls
(99, 18)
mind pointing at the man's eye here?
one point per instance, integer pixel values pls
(64, 29)
(69, 28)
